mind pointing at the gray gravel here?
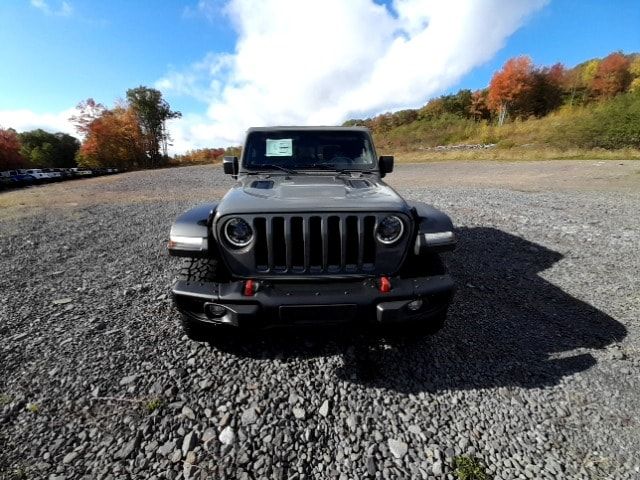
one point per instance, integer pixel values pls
(536, 373)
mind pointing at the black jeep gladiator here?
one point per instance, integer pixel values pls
(310, 234)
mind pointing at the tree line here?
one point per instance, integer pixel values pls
(522, 90)
(37, 148)
(131, 134)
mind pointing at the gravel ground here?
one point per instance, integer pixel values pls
(536, 374)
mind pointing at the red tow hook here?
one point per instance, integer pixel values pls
(249, 288)
(385, 285)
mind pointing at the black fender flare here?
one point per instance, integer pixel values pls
(430, 220)
(194, 223)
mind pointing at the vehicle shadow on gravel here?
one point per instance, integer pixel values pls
(508, 326)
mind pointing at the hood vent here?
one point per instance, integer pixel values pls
(359, 184)
(262, 184)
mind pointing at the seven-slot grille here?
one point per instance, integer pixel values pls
(315, 243)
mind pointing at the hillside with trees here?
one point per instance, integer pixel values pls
(589, 111)
(552, 111)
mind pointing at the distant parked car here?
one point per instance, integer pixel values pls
(18, 179)
(79, 172)
(7, 183)
(37, 175)
(54, 176)
(64, 174)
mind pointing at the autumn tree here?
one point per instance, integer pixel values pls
(612, 76)
(201, 155)
(634, 70)
(479, 105)
(510, 87)
(10, 150)
(547, 90)
(112, 138)
(432, 110)
(152, 112)
(87, 111)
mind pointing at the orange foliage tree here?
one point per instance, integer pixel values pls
(612, 76)
(479, 106)
(10, 150)
(510, 87)
(547, 90)
(201, 155)
(112, 137)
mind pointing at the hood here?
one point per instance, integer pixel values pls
(309, 193)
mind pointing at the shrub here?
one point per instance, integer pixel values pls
(610, 125)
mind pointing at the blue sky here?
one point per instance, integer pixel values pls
(570, 32)
(56, 53)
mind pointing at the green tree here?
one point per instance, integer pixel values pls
(152, 112)
(458, 104)
(44, 149)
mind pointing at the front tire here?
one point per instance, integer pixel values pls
(199, 270)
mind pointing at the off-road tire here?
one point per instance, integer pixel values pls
(198, 270)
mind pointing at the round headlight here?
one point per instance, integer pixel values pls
(238, 232)
(389, 230)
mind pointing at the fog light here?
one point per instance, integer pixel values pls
(415, 305)
(215, 311)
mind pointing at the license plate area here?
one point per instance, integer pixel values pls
(317, 314)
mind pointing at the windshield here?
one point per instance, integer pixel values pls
(308, 149)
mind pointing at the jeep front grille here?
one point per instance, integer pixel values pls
(334, 243)
(331, 244)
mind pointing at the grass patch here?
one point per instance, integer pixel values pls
(33, 408)
(153, 405)
(5, 399)
(469, 468)
(19, 474)
(603, 130)
(514, 154)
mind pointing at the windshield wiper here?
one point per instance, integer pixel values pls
(324, 166)
(277, 167)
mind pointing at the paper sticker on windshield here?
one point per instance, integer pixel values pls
(282, 147)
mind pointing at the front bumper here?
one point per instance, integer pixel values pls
(315, 303)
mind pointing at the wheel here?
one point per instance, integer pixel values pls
(199, 270)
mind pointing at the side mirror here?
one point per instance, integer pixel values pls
(230, 165)
(385, 164)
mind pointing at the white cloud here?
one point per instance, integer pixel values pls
(323, 61)
(64, 10)
(209, 9)
(23, 120)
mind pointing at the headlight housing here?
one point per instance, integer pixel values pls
(238, 232)
(390, 230)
